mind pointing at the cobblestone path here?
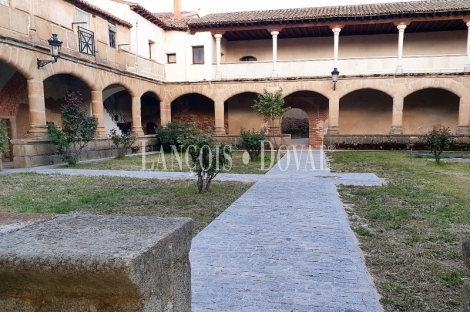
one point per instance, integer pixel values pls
(285, 245)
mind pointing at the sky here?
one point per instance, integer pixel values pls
(220, 6)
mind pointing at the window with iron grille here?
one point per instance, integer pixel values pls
(198, 55)
(5, 2)
(86, 41)
(112, 35)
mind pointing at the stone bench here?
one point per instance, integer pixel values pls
(94, 263)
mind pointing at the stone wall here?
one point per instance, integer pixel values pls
(33, 153)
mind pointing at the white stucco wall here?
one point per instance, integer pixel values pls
(181, 43)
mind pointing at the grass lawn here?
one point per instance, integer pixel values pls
(38, 193)
(156, 162)
(410, 230)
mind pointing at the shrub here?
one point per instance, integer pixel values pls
(123, 142)
(175, 133)
(252, 141)
(438, 140)
(77, 129)
(207, 158)
(3, 138)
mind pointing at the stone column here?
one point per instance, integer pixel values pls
(274, 33)
(401, 36)
(165, 113)
(219, 118)
(397, 117)
(37, 110)
(467, 68)
(98, 110)
(218, 38)
(333, 116)
(136, 118)
(336, 32)
(464, 117)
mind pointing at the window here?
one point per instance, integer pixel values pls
(5, 2)
(151, 49)
(112, 35)
(171, 58)
(198, 55)
(82, 18)
(248, 59)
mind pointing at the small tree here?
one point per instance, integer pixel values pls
(207, 158)
(252, 141)
(174, 134)
(270, 105)
(123, 142)
(77, 129)
(438, 140)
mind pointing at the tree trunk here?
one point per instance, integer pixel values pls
(1, 162)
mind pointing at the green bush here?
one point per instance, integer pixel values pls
(123, 142)
(207, 158)
(252, 141)
(174, 134)
(3, 138)
(438, 140)
(77, 129)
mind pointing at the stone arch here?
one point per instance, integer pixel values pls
(428, 107)
(344, 89)
(194, 108)
(240, 89)
(151, 90)
(20, 59)
(180, 91)
(365, 111)
(315, 105)
(310, 86)
(55, 89)
(69, 68)
(117, 108)
(445, 84)
(239, 114)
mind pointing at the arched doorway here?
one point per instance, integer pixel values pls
(295, 122)
(429, 107)
(194, 108)
(117, 109)
(14, 105)
(150, 112)
(365, 111)
(315, 105)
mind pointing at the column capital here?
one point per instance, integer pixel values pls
(218, 34)
(401, 27)
(336, 28)
(468, 25)
(274, 33)
(402, 23)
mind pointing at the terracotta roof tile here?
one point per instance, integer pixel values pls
(171, 23)
(88, 7)
(338, 12)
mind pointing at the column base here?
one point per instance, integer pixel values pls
(399, 70)
(37, 132)
(220, 131)
(100, 133)
(333, 130)
(463, 130)
(274, 74)
(467, 68)
(396, 130)
(137, 131)
(218, 76)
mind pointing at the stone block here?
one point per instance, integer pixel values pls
(4, 17)
(45, 149)
(30, 150)
(97, 263)
(41, 160)
(22, 162)
(19, 21)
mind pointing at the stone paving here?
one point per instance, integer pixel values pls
(285, 245)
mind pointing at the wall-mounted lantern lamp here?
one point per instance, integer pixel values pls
(335, 74)
(55, 44)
